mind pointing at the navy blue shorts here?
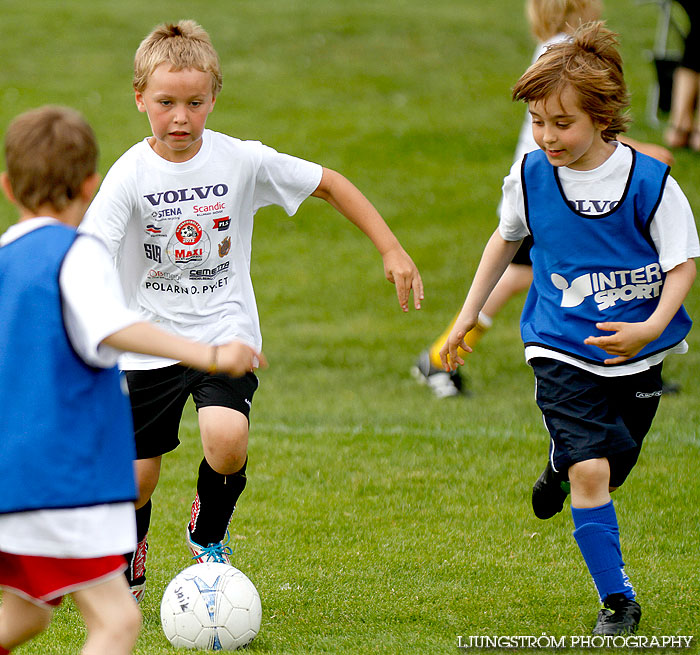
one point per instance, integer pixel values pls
(158, 397)
(589, 416)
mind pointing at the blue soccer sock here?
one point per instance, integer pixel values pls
(598, 537)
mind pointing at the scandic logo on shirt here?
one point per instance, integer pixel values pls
(184, 195)
(609, 287)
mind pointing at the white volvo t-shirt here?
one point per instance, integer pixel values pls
(181, 233)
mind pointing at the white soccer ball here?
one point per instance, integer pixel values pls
(210, 606)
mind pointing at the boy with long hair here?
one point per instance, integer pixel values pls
(612, 258)
(550, 21)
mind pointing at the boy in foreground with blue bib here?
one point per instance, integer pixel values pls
(614, 241)
(67, 442)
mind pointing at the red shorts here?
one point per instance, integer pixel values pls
(45, 580)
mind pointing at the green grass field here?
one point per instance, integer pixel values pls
(377, 519)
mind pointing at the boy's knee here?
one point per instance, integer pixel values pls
(590, 473)
(225, 442)
(226, 461)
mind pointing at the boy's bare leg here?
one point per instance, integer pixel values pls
(147, 475)
(20, 620)
(685, 90)
(111, 616)
(516, 279)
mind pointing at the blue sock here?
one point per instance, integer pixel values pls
(598, 538)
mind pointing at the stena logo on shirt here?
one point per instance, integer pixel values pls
(607, 288)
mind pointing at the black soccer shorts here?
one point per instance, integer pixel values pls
(522, 254)
(589, 416)
(158, 397)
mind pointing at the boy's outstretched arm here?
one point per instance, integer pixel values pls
(399, 268)
(234, 358)
(497, 255)
(629, 338)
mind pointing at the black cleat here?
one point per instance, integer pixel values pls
(547, 494)
(620, 616)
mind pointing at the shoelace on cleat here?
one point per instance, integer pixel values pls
(215, 552)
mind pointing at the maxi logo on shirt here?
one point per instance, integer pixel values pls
(607, 288)
(190, 246)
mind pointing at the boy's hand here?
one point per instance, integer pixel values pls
(628, 340)
(402, 272)
(237, 359)
(449, 353)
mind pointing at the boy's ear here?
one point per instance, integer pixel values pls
(602, 125)
(7, 187)
(89, 187)
(140, 104)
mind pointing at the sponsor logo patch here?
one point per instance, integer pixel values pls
(190, 246)
(222, 224)
(648, 394)
(225, 247)
(173, 196)
(208, 273)
(607, 288)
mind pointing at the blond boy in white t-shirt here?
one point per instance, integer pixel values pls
(176, 211)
